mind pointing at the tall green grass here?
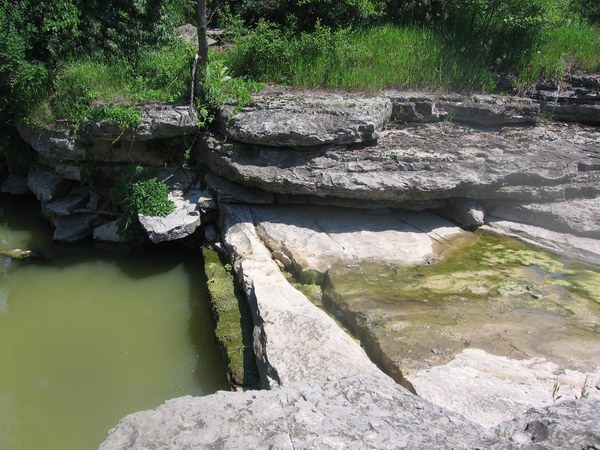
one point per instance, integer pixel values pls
(382, 57)
(564, 50)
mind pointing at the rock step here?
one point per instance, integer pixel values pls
(294, 341)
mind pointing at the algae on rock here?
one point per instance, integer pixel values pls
(233, 329)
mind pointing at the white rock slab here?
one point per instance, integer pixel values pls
(316, 237)
(294, 341)
(489, 389)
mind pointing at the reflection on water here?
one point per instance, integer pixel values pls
(87, 337)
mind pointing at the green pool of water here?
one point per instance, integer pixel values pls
(87, 336)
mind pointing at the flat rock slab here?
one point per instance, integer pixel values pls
(288, 118)
(316, 237)
(479, 110)
(583, 249)
(489, 293)
(181, 223)
(504, 388)
(362, 411)
(580, 217)
(424, 163)
(294, 341)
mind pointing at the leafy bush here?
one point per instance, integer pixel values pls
(588, 10)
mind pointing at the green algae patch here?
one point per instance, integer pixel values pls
(312, 291)
(232, 328)
(486, 291)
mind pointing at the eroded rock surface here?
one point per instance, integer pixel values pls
(182, 222)
(425, 162)
(360, 411)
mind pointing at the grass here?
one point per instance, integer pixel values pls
(401, 57)
(382, 57)
(565, 50)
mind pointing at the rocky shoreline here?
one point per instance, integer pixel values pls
(307, 181)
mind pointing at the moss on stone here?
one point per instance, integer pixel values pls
(227, 315)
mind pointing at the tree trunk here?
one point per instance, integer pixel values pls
(202, 62)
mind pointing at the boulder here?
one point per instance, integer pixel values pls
(15, 185)
(467, 213)
(108, 232)
(47, 184)
(64, 206)
(287, 118)
(74, 228)
(179, 224)
(188, 33)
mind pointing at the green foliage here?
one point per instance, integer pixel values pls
(88, 89)
(380, 57)
(140, 193)
(565, 50)
(126, 117)
(589, 10)
(305, 14)
(148, 197)
(222, 89)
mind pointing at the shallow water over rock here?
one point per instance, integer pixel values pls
(487, 292)
(87, 337)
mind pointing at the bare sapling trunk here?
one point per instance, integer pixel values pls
(202, 57)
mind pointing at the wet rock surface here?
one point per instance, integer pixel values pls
(488, 293)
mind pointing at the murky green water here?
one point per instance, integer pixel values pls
(87, 337)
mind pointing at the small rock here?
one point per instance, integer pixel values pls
(19, 254)
(109, 232)
(46, 183)
(282, 258)
(521, 438)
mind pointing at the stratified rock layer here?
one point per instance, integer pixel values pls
(428, 162)
(279, 118)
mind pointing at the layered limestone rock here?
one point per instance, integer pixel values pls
(315, 238)
(281, 118)
(428, 162)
